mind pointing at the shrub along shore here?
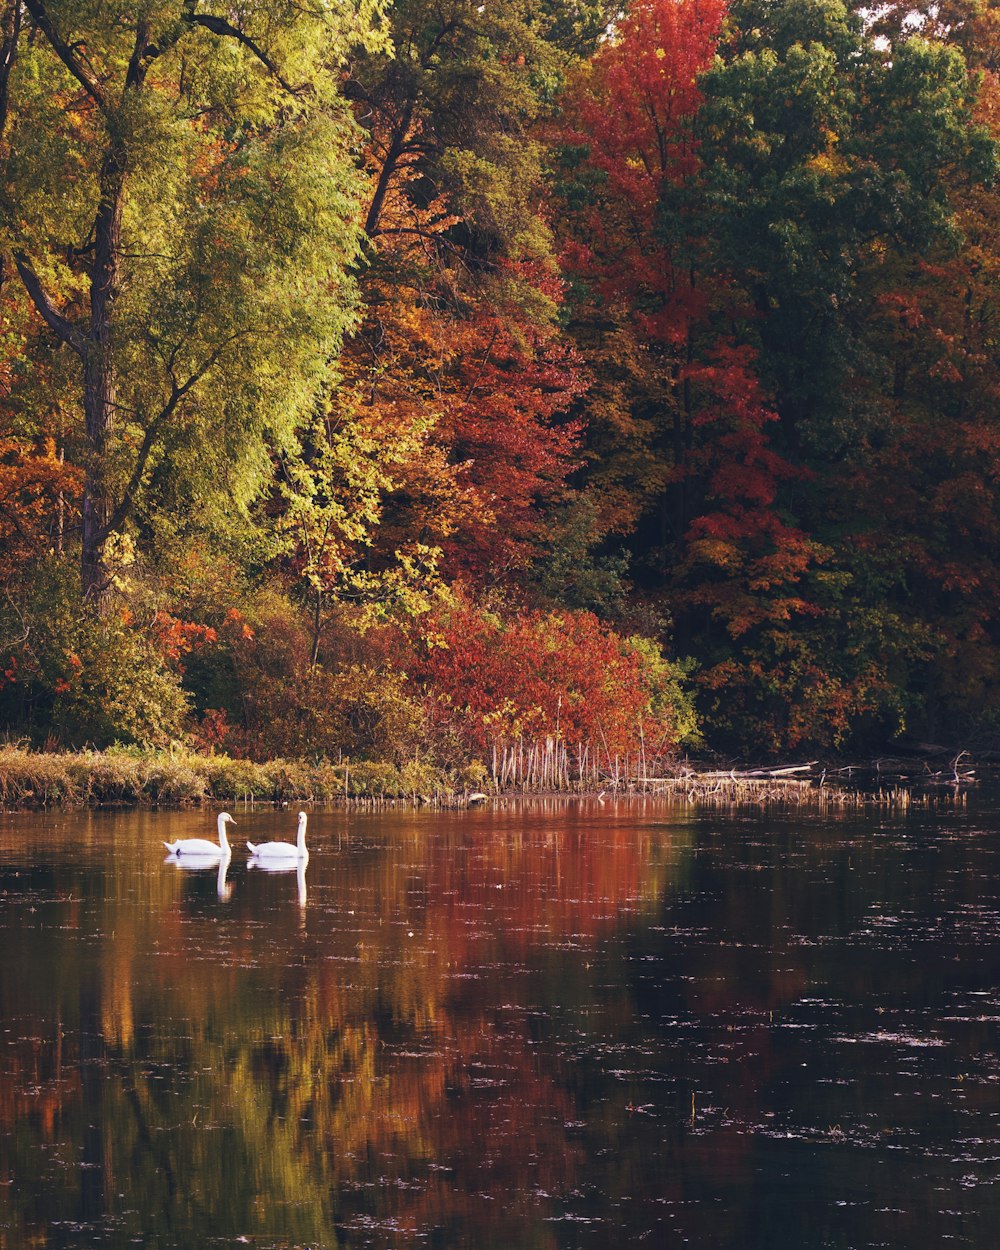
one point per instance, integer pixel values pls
(130, 776)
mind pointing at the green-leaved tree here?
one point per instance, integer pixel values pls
(180, 199)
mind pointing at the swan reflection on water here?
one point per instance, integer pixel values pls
(202, 863)
(289, 865)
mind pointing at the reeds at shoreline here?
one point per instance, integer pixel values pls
(177, 778)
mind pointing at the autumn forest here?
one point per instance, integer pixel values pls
(401, 381)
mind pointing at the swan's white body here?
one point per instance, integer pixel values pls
(282, 852)
(201, 848)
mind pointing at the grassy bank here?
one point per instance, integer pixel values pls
(179, 778)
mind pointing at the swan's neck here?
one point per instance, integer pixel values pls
(301, 842)
(223, 840)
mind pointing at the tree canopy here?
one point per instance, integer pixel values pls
(662, 336)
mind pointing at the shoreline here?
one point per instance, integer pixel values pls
(176, 778)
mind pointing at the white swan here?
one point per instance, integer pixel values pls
(201, 847)
(286, 851)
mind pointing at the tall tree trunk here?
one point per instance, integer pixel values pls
(99, 393)
(396, 148)
(96, 506)
(10, 27)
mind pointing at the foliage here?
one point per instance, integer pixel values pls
(571, 573)
(458, 361)
(82, 678)
(495, 678)
(836, 170)
(180, 195)
(736, 225)
(39, 494)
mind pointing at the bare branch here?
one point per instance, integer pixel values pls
(220, 26)
(69, 54)
(69, 333)
(389, 165)
(177, 393)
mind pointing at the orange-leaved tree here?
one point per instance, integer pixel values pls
(495, 678)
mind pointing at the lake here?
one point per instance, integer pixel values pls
(550, 1025)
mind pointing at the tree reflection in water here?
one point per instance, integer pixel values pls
(362, 1055)
(549, 1026)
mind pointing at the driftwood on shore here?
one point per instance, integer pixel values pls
(898, 783)
(905, 770)
(744, 774)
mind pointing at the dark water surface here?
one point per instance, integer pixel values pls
(556, 1025)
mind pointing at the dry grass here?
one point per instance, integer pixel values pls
(155, 779)
(130, 777)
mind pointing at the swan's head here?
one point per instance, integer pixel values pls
(225, 819)
(303, 817)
